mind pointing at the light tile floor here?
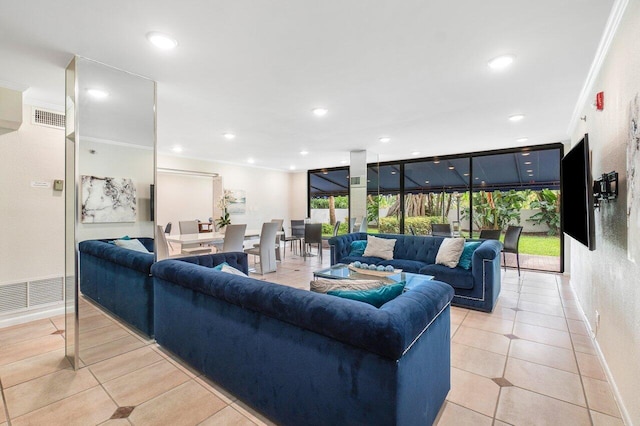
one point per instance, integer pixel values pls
(531, 361)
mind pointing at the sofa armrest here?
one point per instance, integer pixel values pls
(341, 245)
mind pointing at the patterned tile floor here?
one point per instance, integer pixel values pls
(529, 362)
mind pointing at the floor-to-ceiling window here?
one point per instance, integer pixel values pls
(432, 193)
(469, 192)
(329, 199)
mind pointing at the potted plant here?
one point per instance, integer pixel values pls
(225, 199)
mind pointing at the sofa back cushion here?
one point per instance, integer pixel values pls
(128, 258)
(387, 331)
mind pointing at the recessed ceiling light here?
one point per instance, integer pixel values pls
(292, 167)
(385, 139)
(426, 181)
(500, 63)
(524, 154)
(451, 168)
(229, 135)
(415, 153)
(250, 160)
(304, 152)
(176, 148)
(482, 182)
(162, 41)
(522, 139)
(530, 174)
(516, 117)
(393, 172)
(477, 178)
(320, 112)
(529, 171)
(466, 174)
(527, 162)
(97, 93)
(436, 161)
(324, 172)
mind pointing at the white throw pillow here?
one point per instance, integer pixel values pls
(132, 245)
(379, 247)
(323, 285)
(231, 270)
(450, 251)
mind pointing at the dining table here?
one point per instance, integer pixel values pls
(210, 237)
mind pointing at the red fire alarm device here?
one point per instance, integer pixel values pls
(600, 101)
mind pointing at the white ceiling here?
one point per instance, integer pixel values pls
(415, 71)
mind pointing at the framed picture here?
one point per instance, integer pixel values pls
(108, 200)
(237, 202)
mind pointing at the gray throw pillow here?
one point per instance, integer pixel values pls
(450, 251)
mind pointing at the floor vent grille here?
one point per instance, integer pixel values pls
(46, 118)
(30, 294)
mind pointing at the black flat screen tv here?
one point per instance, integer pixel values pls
(577, 195)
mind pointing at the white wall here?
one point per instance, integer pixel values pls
(183, 197)
(111, 160)
(604, 279)
(32, 244)
(268, 191)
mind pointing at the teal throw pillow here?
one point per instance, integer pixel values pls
(220, 266)
(467, 254)
(376, 297)
(358, 247)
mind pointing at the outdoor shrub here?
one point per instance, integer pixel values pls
(421, 224)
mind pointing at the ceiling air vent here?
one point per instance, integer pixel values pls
(46, 118)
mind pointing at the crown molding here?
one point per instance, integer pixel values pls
(617, 12)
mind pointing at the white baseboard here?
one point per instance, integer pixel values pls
(28, 316)
(626, 417)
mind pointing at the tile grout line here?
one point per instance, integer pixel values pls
(575, 358)
(4, 403)
(506, 361)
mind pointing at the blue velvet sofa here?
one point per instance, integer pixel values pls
(304, 358)
(119, 280)
(477, 288)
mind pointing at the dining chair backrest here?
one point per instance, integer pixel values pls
(167, 229)
(313, 233)
(412, 230)
(489, 234)
(297, 228)
(162, 246)
(441, 229)
(512, 238)
(233, 238)
(268, 236)
(336, 228)
(352, 224)
(188, 227)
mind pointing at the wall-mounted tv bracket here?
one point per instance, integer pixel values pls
(605, 188)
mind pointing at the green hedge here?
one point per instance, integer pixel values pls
(421, 224)
(327, 229)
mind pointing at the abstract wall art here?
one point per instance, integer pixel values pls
(237, 201)
(633, 181)
(108, 199)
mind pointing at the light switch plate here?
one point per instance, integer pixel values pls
(58, 185)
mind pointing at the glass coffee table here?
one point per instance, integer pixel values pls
(342, 271)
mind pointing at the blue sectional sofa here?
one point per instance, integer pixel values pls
(119, 280)
(476, 288)
(307, 358)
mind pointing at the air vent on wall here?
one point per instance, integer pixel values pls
(30, 294)
(46, 118)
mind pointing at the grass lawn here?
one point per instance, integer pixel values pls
(539, 244)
